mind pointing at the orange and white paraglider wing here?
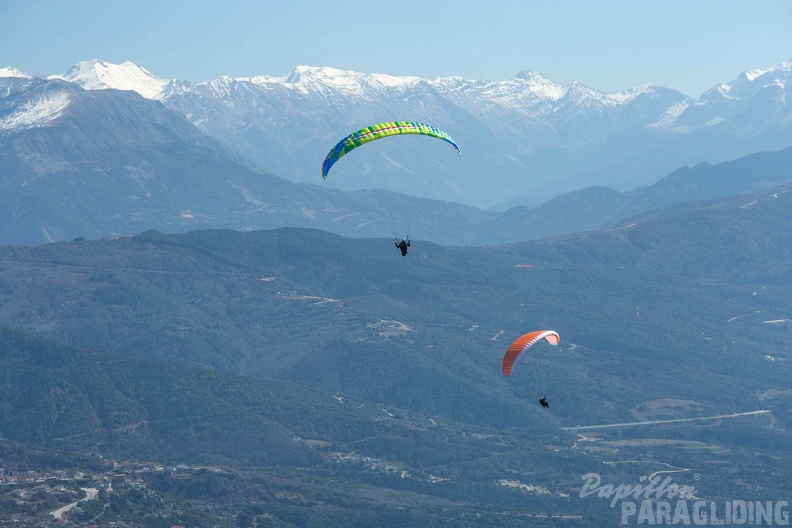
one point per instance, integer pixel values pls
(523, 343)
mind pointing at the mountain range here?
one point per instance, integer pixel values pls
(77, 163)
(527, 135)
(350, 315)
(96, 163)
(318, 361)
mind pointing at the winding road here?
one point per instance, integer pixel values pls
(90, 493)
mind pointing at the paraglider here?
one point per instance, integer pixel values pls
(523, 343)
(382, 130)
(379, 131)
(403, 245)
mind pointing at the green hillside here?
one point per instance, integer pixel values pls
(271, 438)
(332, 358)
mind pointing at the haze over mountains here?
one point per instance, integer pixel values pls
(102, 162)
(535, 135)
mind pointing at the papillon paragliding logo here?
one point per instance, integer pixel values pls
(658, 500)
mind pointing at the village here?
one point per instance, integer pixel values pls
(44, 497)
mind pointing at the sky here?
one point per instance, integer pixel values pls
(609, 45)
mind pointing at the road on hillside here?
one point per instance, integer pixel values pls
(90, 493)
(658, 422)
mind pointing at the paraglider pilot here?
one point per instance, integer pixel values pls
(403, 245)
(543, 401)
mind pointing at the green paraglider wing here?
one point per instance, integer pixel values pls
(374, 132)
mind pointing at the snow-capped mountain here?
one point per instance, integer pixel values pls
(77, 162)
(524, 135)
(521, 130)
(514, 134)
(12, 72)
(100, 75)
(757, 91)
(751, 113)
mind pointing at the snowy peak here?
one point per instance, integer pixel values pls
(320, 79)
(630, 94)
(333, 76)
(529, 75)
(175, 88)
(541, 85)
(780, 70)
(748, 83)
(101, 75)
(312, 73)
(12, 72)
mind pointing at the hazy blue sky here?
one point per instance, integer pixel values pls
(689, 45)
